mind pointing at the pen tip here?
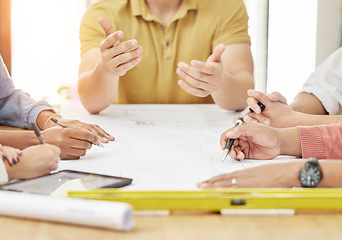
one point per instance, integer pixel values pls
(225, 154)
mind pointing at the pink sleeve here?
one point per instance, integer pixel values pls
(324, 141)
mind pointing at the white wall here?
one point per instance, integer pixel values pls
(329, 28)
(292, 45)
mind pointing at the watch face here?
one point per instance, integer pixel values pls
(310, 175)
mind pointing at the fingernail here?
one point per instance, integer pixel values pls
(251, 92)
(18, 160)
(138, 50)
(180, 65)
(3, 157)
(266, 122)
(134, 43)
(119, 34)
(13, 161)
(203, 185)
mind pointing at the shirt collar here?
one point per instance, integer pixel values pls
(139, 8)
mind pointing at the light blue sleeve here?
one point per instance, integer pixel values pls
(17, 108)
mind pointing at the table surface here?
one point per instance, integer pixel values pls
(185, 225)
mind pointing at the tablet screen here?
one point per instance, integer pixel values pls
(74, 179)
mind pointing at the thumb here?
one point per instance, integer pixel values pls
(106, 25)
(217, 53)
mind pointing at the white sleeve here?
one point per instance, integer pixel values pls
(326, 83)
(3, 173)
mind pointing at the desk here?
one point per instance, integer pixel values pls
(119, 120)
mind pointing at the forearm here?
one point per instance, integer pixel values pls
(308, 103)
(289, 142)
(303, 119)
(331, 172)
(232, 94)
(18, 139)
(97, 89)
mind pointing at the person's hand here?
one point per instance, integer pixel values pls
(253, 141)
(103, 136)
(35, 161)
(9, 154)
(282, 175)
(276, 114)
(72, 142)
(202, 78)
(118, 57)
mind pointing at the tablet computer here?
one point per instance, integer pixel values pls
(68, 179)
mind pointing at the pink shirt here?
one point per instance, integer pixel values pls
(324, 141)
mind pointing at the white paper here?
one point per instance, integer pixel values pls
(103, 214)
(162, 147)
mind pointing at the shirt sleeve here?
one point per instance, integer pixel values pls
(3, 173)
(326, 83)
(323, 141)
(17, 108)
(233, 24)
(91, 33)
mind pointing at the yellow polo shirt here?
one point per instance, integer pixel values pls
(196, 29)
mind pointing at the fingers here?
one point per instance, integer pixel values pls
(192, 90)
(217, 53)
(220, 181)
(53, 148)
(94, 129)
(257, 118)
(201, 78)
(106, 25)
(277, 97)
(254, 98)
(130, 46)
(111, 40)
(11, 155)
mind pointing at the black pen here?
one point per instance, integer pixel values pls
(66, 126)
(239, 122)
(37, 132)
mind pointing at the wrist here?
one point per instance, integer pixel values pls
(289, 142)
(44, 119)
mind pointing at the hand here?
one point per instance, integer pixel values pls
(73, 143)
(103, 136)
(276, 114)
(202, 78)
(268, 175)
(9, 154)
(118, 57)
(35, 161)
(253, 141)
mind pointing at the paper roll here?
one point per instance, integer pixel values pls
(103, 214)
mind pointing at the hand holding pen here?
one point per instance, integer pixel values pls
(67, 126)
(230, 142)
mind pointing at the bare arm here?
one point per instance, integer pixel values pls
(97, 87)
(100, 68)
(238, 77)
(308, 103)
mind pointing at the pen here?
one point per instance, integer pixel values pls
(66, 126)
(238, 123)
(37, 132)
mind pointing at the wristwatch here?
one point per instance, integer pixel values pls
(310, 175)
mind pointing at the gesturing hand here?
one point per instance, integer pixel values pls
(118, 57)
(202, 78)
